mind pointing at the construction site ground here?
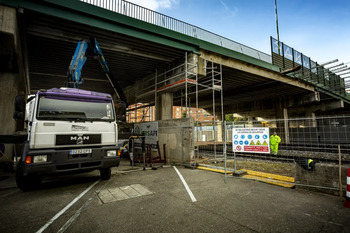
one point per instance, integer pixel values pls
(166, 199)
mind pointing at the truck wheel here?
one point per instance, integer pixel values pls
(27, 182)
(105, 173)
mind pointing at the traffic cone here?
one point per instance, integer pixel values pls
(347, 198)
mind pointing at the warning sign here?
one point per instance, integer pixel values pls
(258, 140)
(150, 131)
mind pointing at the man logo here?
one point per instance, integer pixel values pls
(80, 139)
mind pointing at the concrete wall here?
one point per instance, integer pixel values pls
(177, 134)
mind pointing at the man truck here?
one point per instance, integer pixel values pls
(70, 130)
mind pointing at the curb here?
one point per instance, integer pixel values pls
(279, 180)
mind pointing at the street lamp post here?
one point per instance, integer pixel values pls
(278, 34)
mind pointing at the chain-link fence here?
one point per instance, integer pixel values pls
(311, 152)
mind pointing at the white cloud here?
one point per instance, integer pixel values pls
(231, 12)
(155, 4)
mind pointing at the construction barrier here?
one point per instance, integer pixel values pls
(347, 200)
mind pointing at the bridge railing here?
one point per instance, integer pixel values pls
(310, 71)
(138, 12)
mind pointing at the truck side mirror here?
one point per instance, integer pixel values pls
(19, 107)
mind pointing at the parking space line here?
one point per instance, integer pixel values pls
(66, 208)
(186, 186)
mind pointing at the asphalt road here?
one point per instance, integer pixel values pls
(158, 201)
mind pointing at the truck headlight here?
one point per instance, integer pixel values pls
(39, 158)
(111, 153)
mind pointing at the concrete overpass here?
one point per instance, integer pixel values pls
(40, 39)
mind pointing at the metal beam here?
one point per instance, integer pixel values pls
(65, 76)
(254, 70)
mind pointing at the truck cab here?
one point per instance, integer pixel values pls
(69, 131)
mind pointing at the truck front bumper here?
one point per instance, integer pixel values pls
(60, 161)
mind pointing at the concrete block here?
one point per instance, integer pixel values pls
(141, 189)
(177, 135)
(105, 196)
(118, 194)
(128, 190)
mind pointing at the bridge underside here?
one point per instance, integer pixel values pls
(48, 43)
(51, 43)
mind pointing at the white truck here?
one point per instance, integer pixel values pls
(69, 130)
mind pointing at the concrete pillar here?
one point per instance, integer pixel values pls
(282, 121)
(12, 74)
(312, 118)
(8, 39)
(9, 90)
(165, 106)
(220, 132)
(12, 79)
(286, 126)
(8, 68)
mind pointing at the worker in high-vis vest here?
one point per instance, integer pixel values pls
(310, 164)
(274, 141)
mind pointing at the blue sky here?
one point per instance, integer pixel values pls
(319, 29)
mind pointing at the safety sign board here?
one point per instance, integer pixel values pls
(252, 140)
(149, 130)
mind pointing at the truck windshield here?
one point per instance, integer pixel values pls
(73, 110)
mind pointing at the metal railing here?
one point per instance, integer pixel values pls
(287, 57)
(138, 12)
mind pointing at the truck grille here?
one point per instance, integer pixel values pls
(81, 139)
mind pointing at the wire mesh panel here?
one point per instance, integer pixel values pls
(250, 147)
(307, 152)
(209, 142)
(312, 152)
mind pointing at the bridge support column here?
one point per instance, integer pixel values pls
(8, 84)
(12, 78)
(312, 116)
(164, 109)
(282, 122)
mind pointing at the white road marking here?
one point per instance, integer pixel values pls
(66, 208)
(7, 194)
(77, 214)
(186, 186)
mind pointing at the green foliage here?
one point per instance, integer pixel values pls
(229, 117)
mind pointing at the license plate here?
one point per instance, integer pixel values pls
(80, 151)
